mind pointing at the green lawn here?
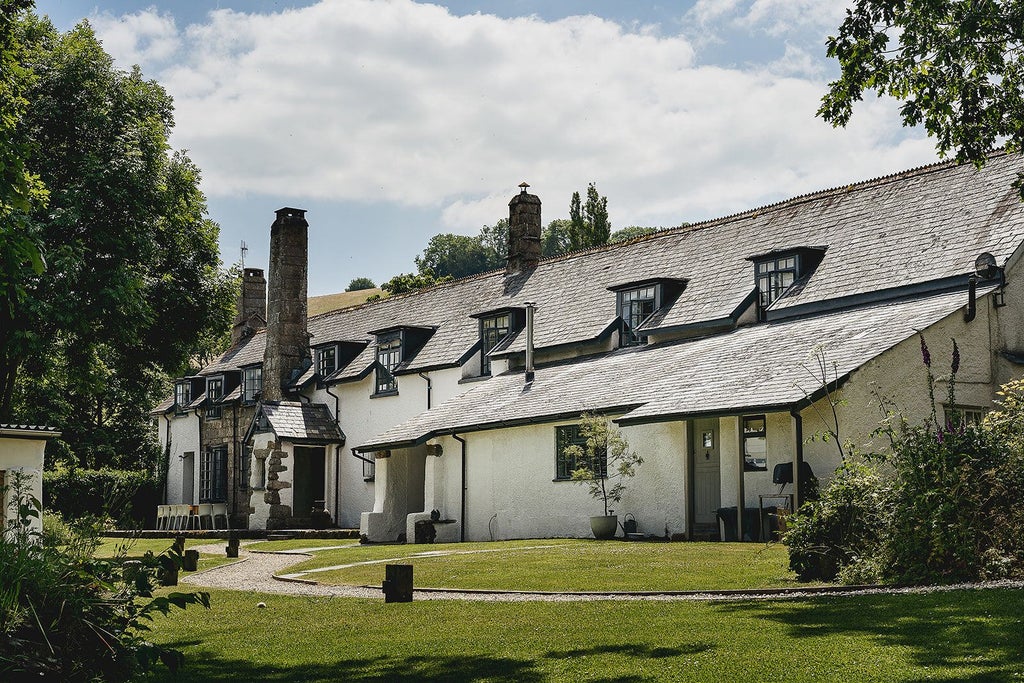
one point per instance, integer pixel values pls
(955, 636)
(565, 565)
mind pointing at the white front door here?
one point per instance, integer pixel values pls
(707, 483)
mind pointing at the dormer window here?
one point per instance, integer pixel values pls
(492, 331)
(214, 393)
(636, 306)
(778, 271)
(389, 355)
(326, 360)
(774, 278)
(182, 395)
(636, 302)
(252, 384)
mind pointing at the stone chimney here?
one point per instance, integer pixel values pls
(252, 306)
(524, 228)
(287, 340)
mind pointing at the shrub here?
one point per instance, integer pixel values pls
(840, 528)
(129, 497)
(67, 616)
(606, 461)
(949, 509)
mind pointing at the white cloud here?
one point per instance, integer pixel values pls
(403, 102)
(146, 36)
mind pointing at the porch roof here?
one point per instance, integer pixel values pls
(764, 366)
(301, 422)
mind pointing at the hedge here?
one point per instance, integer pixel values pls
(128, 497)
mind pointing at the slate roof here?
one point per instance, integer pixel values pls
(750, 368)
(20, 431)
(303, 422)
(911, 228)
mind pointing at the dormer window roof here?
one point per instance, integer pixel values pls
(777, 272)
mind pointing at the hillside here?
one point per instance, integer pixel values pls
(333, 302)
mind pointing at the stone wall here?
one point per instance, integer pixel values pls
(287, 346)
(524, 229)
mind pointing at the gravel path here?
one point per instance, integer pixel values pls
(254, 572)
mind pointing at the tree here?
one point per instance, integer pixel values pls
(21, 256)
(453, 255)
(595, 216)
(577, 230)
(360, 283)
(133, 290)
(588, 223)
(631, 233)
(556, 238)
(494, 239)
(958, 68)
(407, 282)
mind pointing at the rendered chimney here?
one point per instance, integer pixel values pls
(524, 227)
(252, 305)
(287, 339)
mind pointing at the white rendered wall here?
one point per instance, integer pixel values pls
(24, 456)
(511, 491)
(184, 431)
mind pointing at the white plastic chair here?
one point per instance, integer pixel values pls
(163, 513)
(180, 515)
(205, 513)
(220, 510)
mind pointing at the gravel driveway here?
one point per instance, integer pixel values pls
(255, 571)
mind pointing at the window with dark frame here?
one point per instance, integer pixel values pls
(213, 475)
(389, 355)
(774, 277)
(635, 306)
(182, 395)
(755, 444)
(326, 360)
(569, 435)
(492, 331)
(214, 393)
(252, 384)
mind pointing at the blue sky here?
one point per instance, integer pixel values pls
(392, 120)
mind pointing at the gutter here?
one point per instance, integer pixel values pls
(462, 511)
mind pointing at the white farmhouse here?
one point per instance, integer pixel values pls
(703, 343)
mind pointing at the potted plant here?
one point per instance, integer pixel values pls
(602, 463)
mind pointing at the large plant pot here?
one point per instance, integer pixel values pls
(604, 526)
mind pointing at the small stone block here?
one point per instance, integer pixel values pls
(397, 584)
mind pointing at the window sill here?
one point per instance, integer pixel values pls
(381, 394)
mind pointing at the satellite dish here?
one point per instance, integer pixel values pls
(985, 266)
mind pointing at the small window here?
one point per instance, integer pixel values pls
(492, 331)
(182, 395)
(755, 444)
(961, 416)
(213, 475)
(369, 469)
(636, 306)
(252, 384)
(326, 360)
(569, 435)
(214, 393)
(774, 277)
(389, 355)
